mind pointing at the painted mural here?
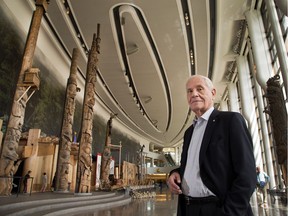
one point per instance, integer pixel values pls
(45, 108)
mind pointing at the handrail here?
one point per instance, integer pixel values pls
(19, 183)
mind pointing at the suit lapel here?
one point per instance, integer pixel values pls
(187, 140)
(207, 134)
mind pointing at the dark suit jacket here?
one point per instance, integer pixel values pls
(227, 165)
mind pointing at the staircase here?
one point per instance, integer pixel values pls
(53, 204)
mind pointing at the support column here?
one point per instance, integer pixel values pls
(223, 105)
(233, 97)
(259, 47)
(177, 155)
(151, 147)
(264, 128)
(67, 126)
(16, 118)
(279, 42)
(248, 110)
(248, 106)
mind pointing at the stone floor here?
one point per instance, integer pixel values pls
(164, 204)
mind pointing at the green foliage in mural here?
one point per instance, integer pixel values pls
(45, 108)
(98, 133)
(10, 63)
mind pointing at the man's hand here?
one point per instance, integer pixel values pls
(173, 182)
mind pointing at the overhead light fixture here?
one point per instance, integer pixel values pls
(187, 19)
(132, 49)
(191, 57)
(147, 99)
(154, 122)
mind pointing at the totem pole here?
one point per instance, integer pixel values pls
(28, 82)
(1, 134)
(67, 130)
(106, 157)
(83, 181)
(277, 111)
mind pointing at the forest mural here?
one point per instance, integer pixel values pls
(45, 108)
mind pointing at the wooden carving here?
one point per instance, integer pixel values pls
(106, 157)
(14, 128)
(85, 149)
(6, 183)
(277, 111)
(67, 130)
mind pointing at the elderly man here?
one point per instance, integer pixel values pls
(217, 172)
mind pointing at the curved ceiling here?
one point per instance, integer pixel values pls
(148, 49)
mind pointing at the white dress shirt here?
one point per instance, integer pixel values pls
(192, 184)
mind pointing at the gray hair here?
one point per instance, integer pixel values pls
(207, 81)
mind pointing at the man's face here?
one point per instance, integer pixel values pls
(200, 97)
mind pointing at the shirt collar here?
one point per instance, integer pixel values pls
(205, 116)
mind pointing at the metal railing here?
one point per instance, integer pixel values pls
(19, 183)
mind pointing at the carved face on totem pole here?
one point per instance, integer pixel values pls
(9, 151)
(72, 90)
